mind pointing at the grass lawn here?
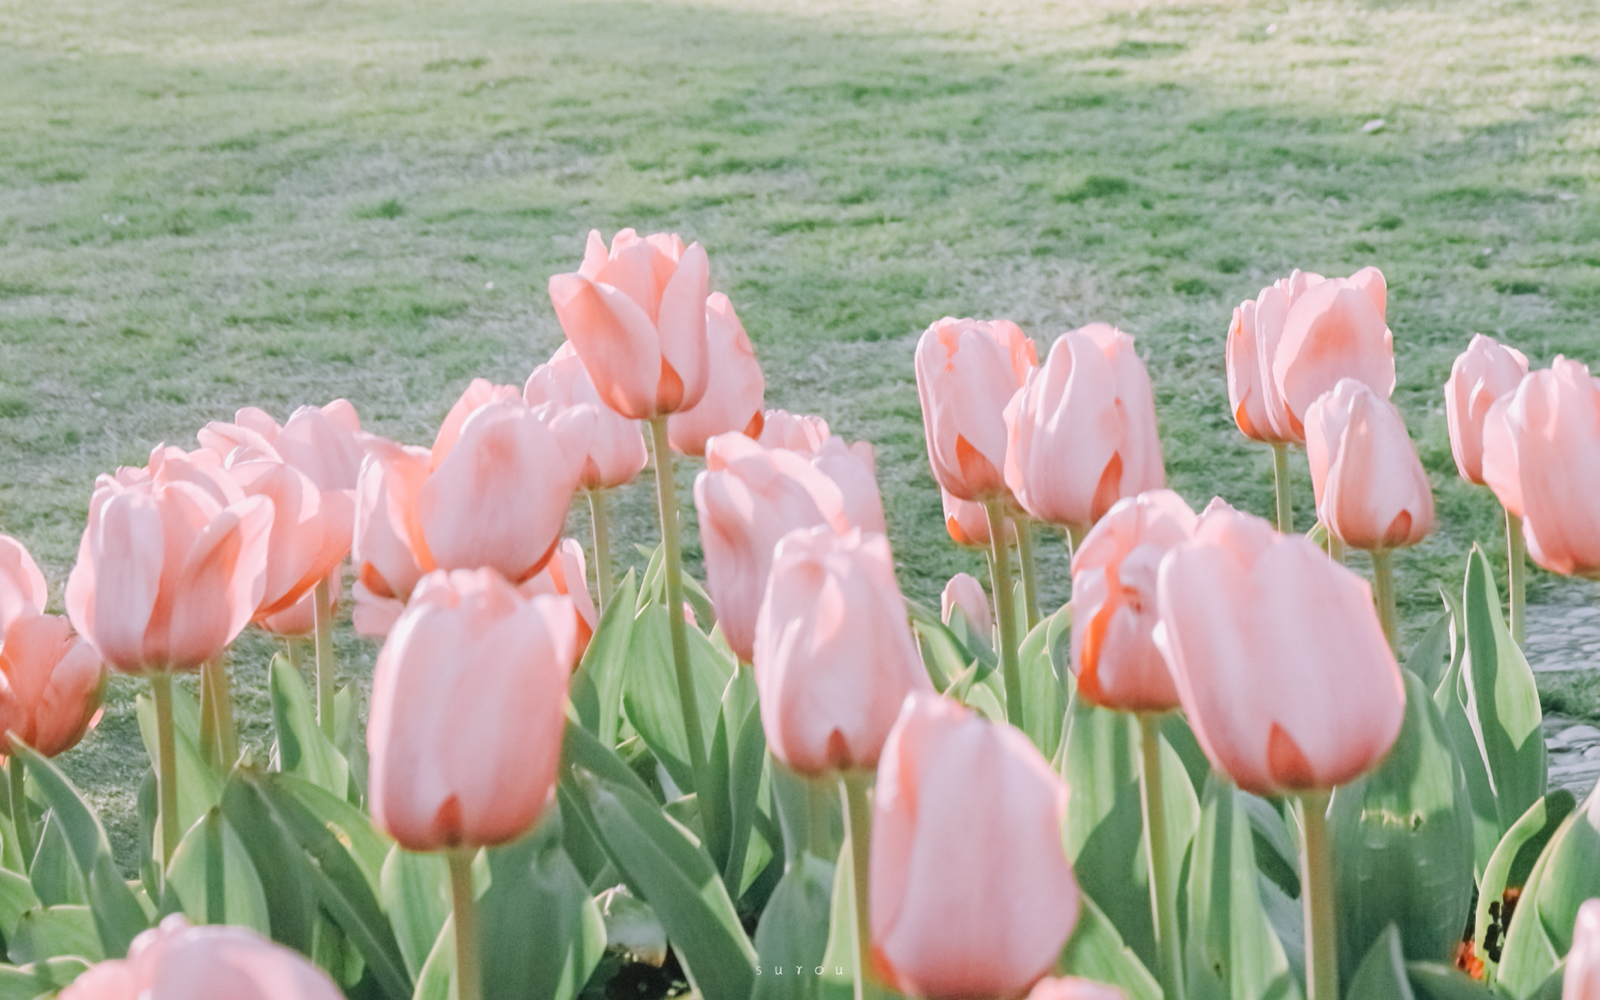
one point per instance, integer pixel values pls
(206, 205)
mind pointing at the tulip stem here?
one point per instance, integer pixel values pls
(219, 737)
(1163, 884)
(1322, 939)
(322, 601)
(469, 979)
(1383, 593)
(858, 818)
(166, 765)
(1336, 548)
(1280, 481)
(601, 520)
(1516, 575)
(1030, 570)
(666, 490)
(1005, 609)
(21, 822)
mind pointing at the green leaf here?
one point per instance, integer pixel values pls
(1566, 874)
(596, 688)
(214, 878)
(650, 691)
(1432, 981)
(118, 916)
(794, 931)
(53, 932)
(416, 896)
(1510, 866)
(1401, 838)
(652, 585)
(53, 873)
(290, 896)
(747, 760)
(366, 845)
(199, 787)
(436, 979)
(16, 897)
(301, 749)
(39, 979)
(1430, 657)
(1044, 701)
(1382, 973)
(632, 929)
(350, 740)
(1095, 951)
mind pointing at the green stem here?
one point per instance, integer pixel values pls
(858, 817)
(1163, 883)
(326, 667)
(219, 736)
(209, 749)
(1005, 610)
(1030, 571)
(667, 494)
(1322, 937)
(1383, 593)
(601, 520)
(1517, 575)
(469, 978)
(1074, 539)
(166, 765)
(21, 822)
(1336, 547)
(1280, 480)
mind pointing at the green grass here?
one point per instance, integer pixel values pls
(204, 206)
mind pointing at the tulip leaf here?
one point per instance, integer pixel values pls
(1095, 951)
(632, 929)
(1382, 972)
(1430, 657)
(39, 979)
(16, 898)
(199, 787)
(794, 931)
(1175, 730)
(301, 748)
(416, 896)
(350, 741)
(650, 692)
(1044, 702)
(1566, 874)
(290, 898)
(1509, 868)
(118, 917)
(53, 872)
(1402, 844)
(1277, 847)
(436, 981)
(1434, 981)
(53, 932)
(1233, 951)
(214, 879)
(596, 688)
(652, 585)
(741, 713)
(363, 841)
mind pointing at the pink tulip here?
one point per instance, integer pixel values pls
(968, 523)
(636, 316)
(1082, 430)
(1541, 455)
(1278, 656)
(1336, 330)
(177, 962)
(566, 576)
(1581, 981)
(22, 586)
(468, 708)
(782, 429)
(967, 371)
(1370, 486)
(480, 392)
(51, 683)
(735, 386)
(992, 924)
(834, 657)
(1252, 346)
(390, 553)
(965, 592)
(311, 530)
(1070, 988)
(300, 618)
(167, 575)
(1114, 575)
(322, 442)
(1483, 373)
(748, 497)
(854, 469)
(616, 451)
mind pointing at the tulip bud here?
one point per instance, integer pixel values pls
(566, 575)
(992, 925)
(1070, 988)
(322, 442)
(834, 657)
(781, 429)
(967, 371)
(1082, 430)
(615, 452)
(968, 523)
(1581, 981)
(1252, 346)
(22, 586)
(1370, 486)
(735, 386)
(636, 316)
(1278, 657)
(300, 618)
(480, 392)
(1483, 373)
(51, 684)
(174, 961)
(1335, 330)
(965, 592)
(311, 530)
(468, 709)
(1114, 603)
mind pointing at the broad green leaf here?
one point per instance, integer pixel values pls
(16, 897)
(1430, 657)
(1232, 950)
(199, 787)
(1433, 981)
(747, 756)
(54, 932)
(987, 699)
(809, 811)
(1095, 951)
(794, 931)
(652, 585)
(1382, 972)
(118, 916)
(1450, 699)
(350, 740)
(1401, 838)
(1566, 874)
(596, 688)
(838, 954)
(436, 981)
(366, 844)
(1277, 844)
(632, 929)
(301, 748)
(53, 873)
(39, 979)
(650, 691)
(1175, 730)
(290, 896)
(1044, 701)
(416, 896)
(1510, 866)
(214, 878)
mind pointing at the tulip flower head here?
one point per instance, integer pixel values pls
(300, 618)
(322, 442)
(1114, 601)
(1278, 657)
(1581, 981)
(616, 451)
(964, 592)
(993, 924)
(1082, 430)
(311, 529)
(782, 429)
(834, 657)
(968, 523)
(175, 961)
(1482, 374)
(1371, 489)
(735, 386)
(468, 710)
(967, 371)
(22, 586)
(51, 684)
(636, 315)
(566, 575)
